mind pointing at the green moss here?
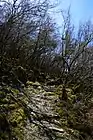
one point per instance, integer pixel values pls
(33, 83)
(15, 91)
(29, 83)
(17, 119)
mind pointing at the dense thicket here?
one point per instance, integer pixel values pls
(31, 49)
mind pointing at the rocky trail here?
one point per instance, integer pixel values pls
(45, 124)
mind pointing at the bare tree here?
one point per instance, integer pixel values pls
(73, 46)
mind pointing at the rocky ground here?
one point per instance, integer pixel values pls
(45, 123)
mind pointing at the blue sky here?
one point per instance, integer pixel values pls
(81, 10)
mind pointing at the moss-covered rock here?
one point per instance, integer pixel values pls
(12, 113)
(75, 113)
